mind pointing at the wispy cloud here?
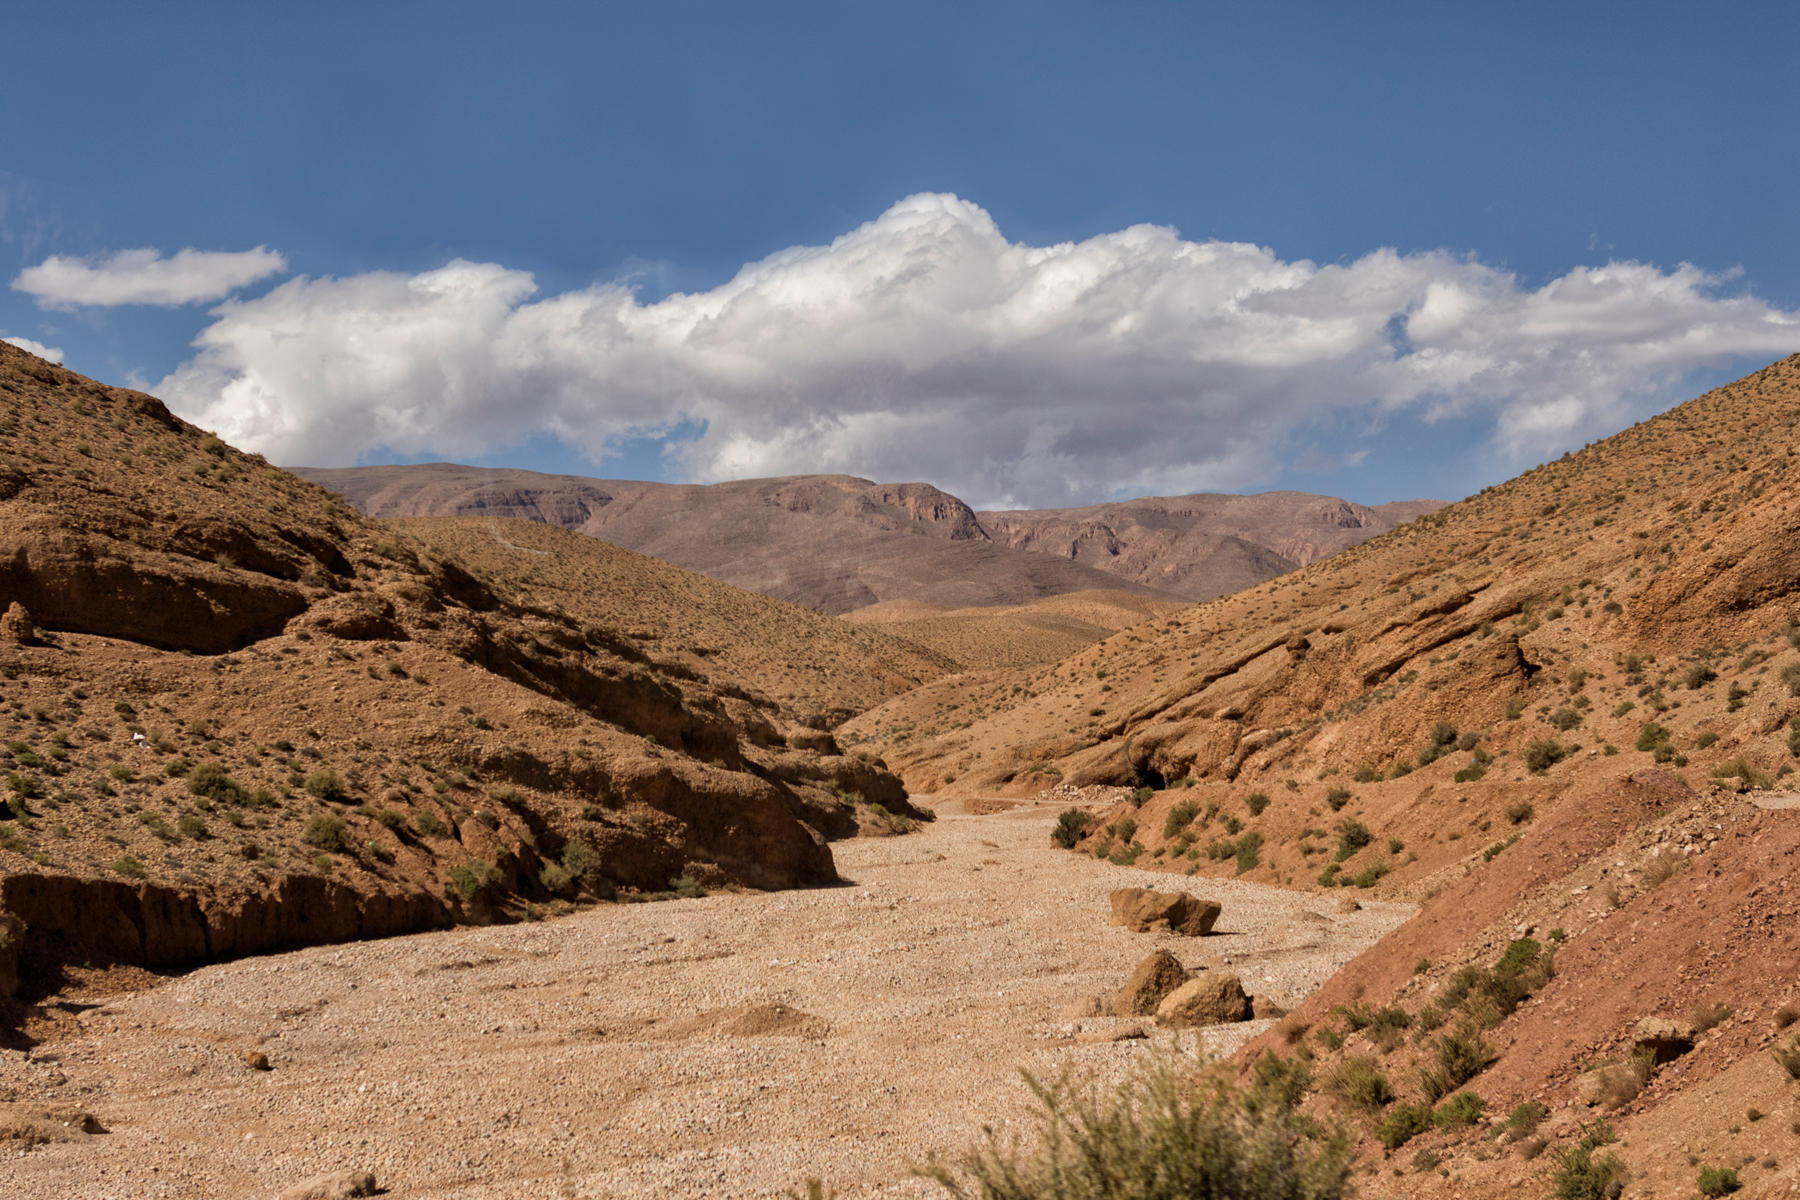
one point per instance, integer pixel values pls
(145, 277)
(923, 344)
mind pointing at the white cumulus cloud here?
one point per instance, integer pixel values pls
(48, 353)
(145, 277)
(924, 344)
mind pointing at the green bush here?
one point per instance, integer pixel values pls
(474, 877)
(1543, 754)
(1358, 1081)
(1140, 795)
(324, 784)
(1337, 798)
(1402, 1123)
(1464, 1108)
(1070, 825)
(1256, 802)
(1249, 851)
(1353, 835)
(212, 781)
(1718, 1181)
(1179, 818)
(129, 867)
(1456, 1058)
(1578, 1175)
(430, 824)
(1651, 736)
(1523, 1121)
(326, 833)
(1160, 1135)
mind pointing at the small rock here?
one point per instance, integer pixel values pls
(1144, 911)
(1264, 1009)
(256, 1060)
(1153, 979)
(1349, 904)
(1212, 998)
(338, 1185)
(15, 624)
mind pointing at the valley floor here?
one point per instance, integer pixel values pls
(727, 1046)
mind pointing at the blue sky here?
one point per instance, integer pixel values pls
(1037, 254)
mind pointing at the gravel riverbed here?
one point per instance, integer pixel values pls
(721, 1047)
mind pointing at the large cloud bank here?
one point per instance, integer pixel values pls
(145, 277)
(925, 345)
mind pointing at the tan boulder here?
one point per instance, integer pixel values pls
(1089, 1006)
(1144, 911)
(1210, 998)
(1153, 979)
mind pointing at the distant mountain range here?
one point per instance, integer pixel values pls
(836, 543)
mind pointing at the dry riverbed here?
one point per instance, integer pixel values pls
(727, 1046)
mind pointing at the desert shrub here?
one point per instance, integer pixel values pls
(1520, 811)
(1140, 795)
(1370, 875)
(379, 851)
(1456, 1058)
(1651, 736)
(1523, 1120)
(1741, 768)
(474, 877)
(1402, 1123)
(324, 784)
(556, 879)
(1249, 851)
(1256, 802)
(1353, 835)
(1070, 825)
(1705, 740)
(1718, 1181)
(1160, 1134)
(1367, 774)
(211, 780)
(1543, 754)
(1179, 818)
(1464, 1108)
(430, 824)
(192, 826)
(129, 867)
(1358, 1081)
(1698, 676)
(1125, 828)
(1579, 1175)
(1337, 798)
(325, 833)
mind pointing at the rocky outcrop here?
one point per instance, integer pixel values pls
(1663, 1039)
(1144, 911)
(150, 925)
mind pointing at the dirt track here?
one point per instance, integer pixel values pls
(729, 1046)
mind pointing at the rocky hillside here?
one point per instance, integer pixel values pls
(1202, 546)
(238, 714)
(1563, 714)
(837, 543)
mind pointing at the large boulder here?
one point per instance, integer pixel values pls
(1210, 998)
(1150, 982)
(1144, 911)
